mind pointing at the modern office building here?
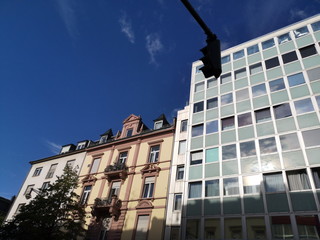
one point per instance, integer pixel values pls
(252, 159)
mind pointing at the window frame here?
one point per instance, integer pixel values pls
(154, 153)
(37, 171)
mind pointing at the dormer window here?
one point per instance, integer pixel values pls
(129, 132)
(158, 125)
(81, 146)
(103, 139)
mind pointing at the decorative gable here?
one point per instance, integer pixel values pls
(132, 125)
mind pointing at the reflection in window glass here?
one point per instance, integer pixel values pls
(184, 125)
(281, 227)
(198, 107)
(272, 62)
(195, 189)
(308, 51)
(315, 26)
(227, 98)
(238, 54)
(308, 227)
(182, 147)
(273, 182)
(311, 137)
(276, 85)
(242, 94)
(212, 229)
(244, 119)
(296, 79)
(318, 101)
(197, 130)
(268, 44)
(233, 228)
(225, 78)
(298, 180)
(284, 38)
(212, 127)
(303, 106)
(314, 74)
(301, 32)
(227, 123)
(196, 157)
(289, 141)
(193, 229)
(267, 145)
(316, 177)
(259, 90)
(247, 149)
(212, 188)
(251, 184)
(212, 103)
(253, 49)
(225, 59)
(240, 73)
(255, 68)
(282, 111)
(199, 87)
(230, 186)
(177, 201)
(262, 115)
(289, 57)
(211, 82)
(229, 152)
(212, 155)
(256, 228)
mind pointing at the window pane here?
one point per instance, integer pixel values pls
(225, 78)
(242, 94)
(197, 130)
(289, 141)
(212, 155)
(316, 177)
(212, 127)
(296, 79)
(284, 38)
(315, 26)
(247, 149)
(276, 85)
(193, 229)
(262, 115)
(180, 172)
(199, 87)
(196, 158)
(142, 227)
(308, 51)
(227, 98)
(225, 59)
(256, 228)
(212, 229)
(253, 49)
(227, 123)
(177, 201)
(212, 103)
(212, 188)
(259, 90)
(271, 63)
(281, 227)
(318, 101)
(268, 44)
(182, 147)
(282, 111)
(298, 180)
(184, 125)
(211, 82)
(251, 184)
(238, 55)
(308, 227)
(255, 68)
(195, 189)
(314, 74)
(289, 57)
(244, 119)
(267, 145)
(303, 106)
(240, 73)
(311, 137)
(229, 152)
(198, 107)
(230, 186)
(273, 182)
(301, 32)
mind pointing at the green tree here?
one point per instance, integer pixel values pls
(54, 214)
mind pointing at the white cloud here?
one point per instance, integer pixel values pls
(154, 46)
(53, 147)
(297, 14)
(126, 27)
(66, 10)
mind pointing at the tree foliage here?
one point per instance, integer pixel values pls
(53, 214)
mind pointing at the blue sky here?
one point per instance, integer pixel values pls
(71, 69)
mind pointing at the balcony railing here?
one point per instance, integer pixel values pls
(116, 171)
(107, 207)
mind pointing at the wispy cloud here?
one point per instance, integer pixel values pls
(66, 10)
(297, 14)
(154, 46)
(53, 147)
(126, 27)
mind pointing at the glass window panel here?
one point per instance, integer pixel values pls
(308, 227)
(284, 38)
(230, 186)
(197, 130)
(212, 103)
(233, 228)
(198, 107)
(184, 125)
(259, 90)
(256, 228)
(273, 182)
(244, 119)
(229, 152)
(262, 115)
(303, 106)
(276, 85)
(211, 82)
(318, 101)
(212, 127)
(253, 49)
(227, 123)
(268, 44)
(247, 149)
(296, 79)
(272, 62)
(281, 227)
(195, 189)
(255, 68)
(282, 111)
(289, 57)
(193, 229)
(251, 184)
(315, 26)
(225, 78)
(238, 54)
(314, 74)
(212, 188)
(289, 141)
(240, 73)
(242, 94)
(177, 201)
(311, 137)
(212, 229)
(180, 172)
(226, 99)
(182, 147)
(308, 51)
(316, 177)
(267, 145)
(175, 233)
(199, 87)
(225, 59)
(301, 32)
(196, 157)
(298, 180)
(212, 155)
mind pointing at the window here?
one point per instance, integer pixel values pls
(154, 154)
(195, 189)
(114, 191)
(212, 188)
(268, 44)
(273, 182)
(240, 73)
(308, 51)
(212, 228)
(315, 26)
(303, 106)
(316, 177)
(238, 54)
(259, 90)
(180, 172)
(276, 85)
(284, 38)
(298, 180)
(184, 125)
(314, 74)
(81, 146)
(311, 137)
(85, 195)
(289, 57)
(51, 170)
(318, 101)
(232, 228)
(197, 130)
(45, 185)
(253, 49)
(198, 107)
(272, 62)
(281, 227)
(199, 87)
(142, 227)
(182, 147)
(255, 68)
(227, 123)
(177, 202)
(230, 186)
(95, 165)
(212, 127)
(196, 157)
(242, 94)
(256, 228)
(244, 119)
(225, 59)
(289, 141)
(212, 155)
(229, 152)
(262, 115)
(193, 229)
(175, 233)
(282, 111)
(212, 103)
(148, 187)
(225, 78)
(247, 149)
(37, 172)
(123, 157)
(158, 125)
(29, 190)
(129, 132)
(226, 99)
(251, 184)
(211, 82)
(70, 163)
(301, 32)
(267, 145)
(308, 227)
(296, 79)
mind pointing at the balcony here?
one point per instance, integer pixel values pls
(116, 171)
(108, 207)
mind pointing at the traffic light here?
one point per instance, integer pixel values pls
(211, 59)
